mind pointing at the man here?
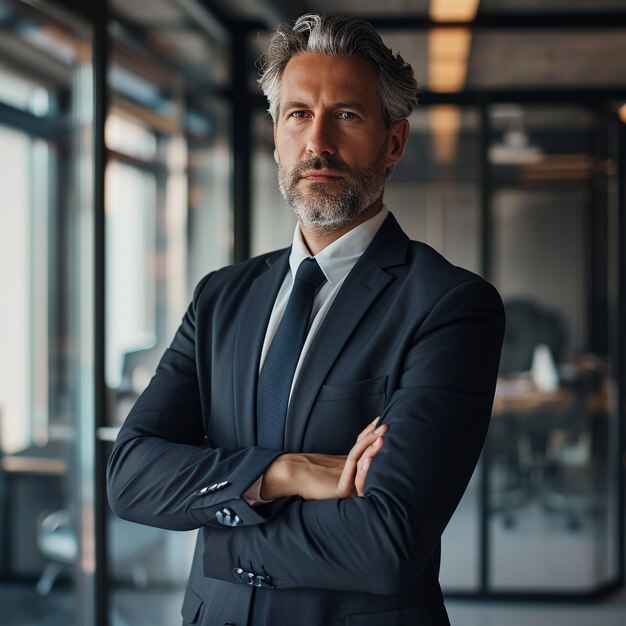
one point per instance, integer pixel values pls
(319, 420)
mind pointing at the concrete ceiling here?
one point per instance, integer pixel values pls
(498, 58)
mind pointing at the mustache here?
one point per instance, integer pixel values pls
(325, 162)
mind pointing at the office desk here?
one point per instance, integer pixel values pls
(532, 402)
(33, 483)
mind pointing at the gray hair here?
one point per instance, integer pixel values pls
(335, 35)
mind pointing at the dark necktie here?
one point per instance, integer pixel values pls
(276, 375)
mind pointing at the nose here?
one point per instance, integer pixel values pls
(320, 138)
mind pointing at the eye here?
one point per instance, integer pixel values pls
(346, 115)
(298, 114)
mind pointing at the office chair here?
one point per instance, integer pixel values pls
(522, 447)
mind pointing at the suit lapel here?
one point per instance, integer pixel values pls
(363, 285)
(255, 313)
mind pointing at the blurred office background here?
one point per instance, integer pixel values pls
(136, 155)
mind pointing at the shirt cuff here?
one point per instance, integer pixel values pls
(252, 494)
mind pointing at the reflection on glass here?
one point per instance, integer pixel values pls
(185, 32)
(129, 137)
(434, 190)
(549, 445)
(15, 273)
(273, 220)
(131, 242)
(210, 228)
(22, 93)
(46, 358)
(143, 244)
(168, 223)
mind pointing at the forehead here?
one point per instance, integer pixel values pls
(311, 76)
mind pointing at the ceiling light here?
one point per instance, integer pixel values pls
(445, 125)
(448, 52)
(453, 10)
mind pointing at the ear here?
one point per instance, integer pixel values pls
(398, 135)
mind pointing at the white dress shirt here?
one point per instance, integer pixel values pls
(335, 260)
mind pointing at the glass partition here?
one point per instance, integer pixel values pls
(541, 515)
(46, 361)
(168, 223)
(434, 192)
(552, 453)
(273, 220)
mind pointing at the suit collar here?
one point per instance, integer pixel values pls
(338, 258)
(255, 314)
(365, 283)
(390, 245)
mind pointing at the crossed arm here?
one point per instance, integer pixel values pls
(435, 423)
(324, 476)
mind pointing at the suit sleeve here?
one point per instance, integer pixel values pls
(163, 471)
(438, 418)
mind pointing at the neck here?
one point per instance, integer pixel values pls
(317, 239)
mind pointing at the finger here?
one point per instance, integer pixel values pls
(345, 485)
(368, 429)
(364, 464)
(361, 476)
(367, 440)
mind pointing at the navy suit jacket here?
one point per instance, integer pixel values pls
(409, 337)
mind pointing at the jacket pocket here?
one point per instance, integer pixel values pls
(358, 389)
(423, 615)
(341, 412)
(192, 603)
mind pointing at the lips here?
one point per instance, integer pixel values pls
(320, 176)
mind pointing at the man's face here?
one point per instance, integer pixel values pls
(332, 146)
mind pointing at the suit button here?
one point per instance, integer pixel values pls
(227, 517)
(250, 578)
(211, 488)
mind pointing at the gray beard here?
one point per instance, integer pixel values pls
(326, 211)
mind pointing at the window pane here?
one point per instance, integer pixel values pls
(210, 224)
(15, 274)
(129, 137)
(168, 223)
(46, 361)
(130, 227)
(273, 221)
(21, 93)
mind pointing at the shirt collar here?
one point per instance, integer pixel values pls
(337, 259)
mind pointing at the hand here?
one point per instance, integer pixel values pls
(324, 476)
(367, 446)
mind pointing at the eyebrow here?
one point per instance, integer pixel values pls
(350, 104)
